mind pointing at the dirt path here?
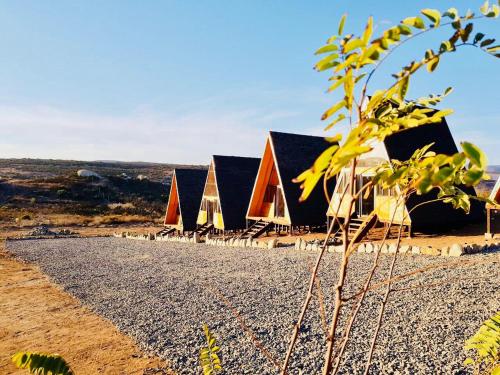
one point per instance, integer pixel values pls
(36, 315)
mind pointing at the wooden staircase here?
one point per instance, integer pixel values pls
(203, 229)
(256, 229)
(165, 231)
(358, 228)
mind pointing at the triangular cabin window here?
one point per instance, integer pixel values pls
(172, 216)
(268, 200)
(210, 186)
(210, 211)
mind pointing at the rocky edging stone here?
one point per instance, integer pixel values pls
(242, 242)
(196, 238)
(454, 250)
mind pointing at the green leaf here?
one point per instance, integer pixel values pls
(209, 360)
(326, 49)
(464, 34)
(432, 64)
(350, 60)
(369, 55)
(403, 87)
(322, 162)
(451, 13)
(308, 184)
(432, 14)
(360, 77)
(494, 11)
(493, 49)
(335, 108)
(341, 24)
(332, 39)
(468, 361)
(349, 88)
(446, 46)
(368, 31)
(326, 66)
(338, 119)
(393, 34)
(404, 30)
(442, 113)
(487, 42)
(442, 175)
(475, 154)
(325, 61)
(39, 363)
(335, 139)
(478, 37)
(336, 85)
(352, 45)
(424, 186)
(485, 7)
(473, 176)
(416, 22)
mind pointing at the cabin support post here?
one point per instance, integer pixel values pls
(488, 221)
(488, 233)
(410, 231)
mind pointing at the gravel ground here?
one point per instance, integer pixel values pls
(161, 292)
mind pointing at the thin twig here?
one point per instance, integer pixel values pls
(458, 264)
(257, 343)
(296, 328)
(364, 290)
(384, 303)
(322, 310)
(432, 285)
(341, 278)
(321, 306)
(370, 75)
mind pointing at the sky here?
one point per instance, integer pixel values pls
(178, 81)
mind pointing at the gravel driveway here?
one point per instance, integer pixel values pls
(160, 293)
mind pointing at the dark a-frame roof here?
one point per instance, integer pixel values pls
(190, 184)
(295, 153)
(235, 176)
(400, 146)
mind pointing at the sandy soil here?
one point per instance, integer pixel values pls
(473, 234)
(37, 315)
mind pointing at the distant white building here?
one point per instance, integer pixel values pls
(87, 173)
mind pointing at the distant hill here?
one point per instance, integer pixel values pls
(46, 168)
(494, 171)
(46, 190)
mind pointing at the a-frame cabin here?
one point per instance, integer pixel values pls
(275, 198)
(226, 193)
(430, 217)
(186, 190)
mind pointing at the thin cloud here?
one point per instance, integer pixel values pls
(48, 132)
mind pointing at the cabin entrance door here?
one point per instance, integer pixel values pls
(274, 201)
(364, 205)
(279, 203)
(210, 211)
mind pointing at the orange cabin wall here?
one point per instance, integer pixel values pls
(172, 215)
(267, 176)
(265, 171)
